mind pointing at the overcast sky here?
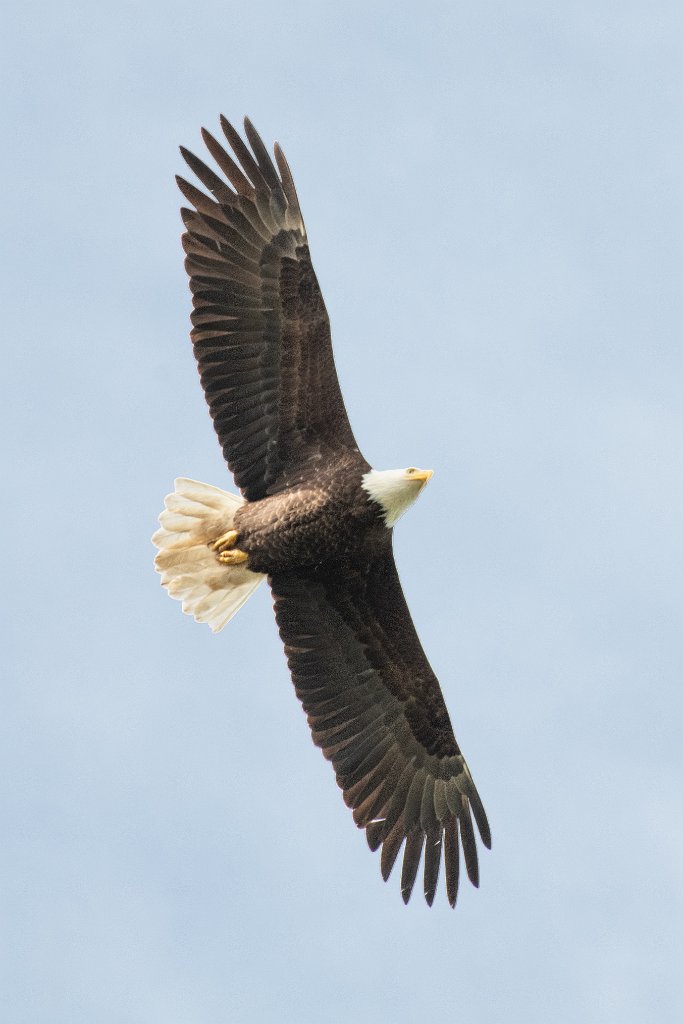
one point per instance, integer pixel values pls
(493, 198)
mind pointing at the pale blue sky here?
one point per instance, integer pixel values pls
(493, 197)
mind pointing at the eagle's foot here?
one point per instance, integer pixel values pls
(224, 542)
(226, 552)
(233, 556)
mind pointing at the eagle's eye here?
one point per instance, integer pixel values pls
(412, 469)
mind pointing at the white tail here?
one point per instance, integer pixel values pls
(195, 515)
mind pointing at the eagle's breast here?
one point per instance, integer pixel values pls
(329, 518)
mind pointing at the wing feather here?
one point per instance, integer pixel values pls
(265, 164)
(451, 859)
(207, 177)
(244, 156)
(391, 848)
(228, 166)
(288, 183)
(432, 862)
(411, 861)
(373, 834)
(469, 847)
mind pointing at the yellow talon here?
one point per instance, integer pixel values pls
(227, 540)
(232, 557)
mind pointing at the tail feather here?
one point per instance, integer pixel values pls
(194, 516)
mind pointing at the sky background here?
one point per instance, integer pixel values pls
(493, 197)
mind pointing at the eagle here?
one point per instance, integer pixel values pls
(314, 519)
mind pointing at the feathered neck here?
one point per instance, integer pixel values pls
(393, 490)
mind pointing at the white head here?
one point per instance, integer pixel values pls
(395, 489)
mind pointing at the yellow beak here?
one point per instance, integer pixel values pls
(423, 475)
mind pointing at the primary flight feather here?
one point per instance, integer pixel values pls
(315, 519)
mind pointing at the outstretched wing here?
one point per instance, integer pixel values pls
(376, 710)
(261, 333)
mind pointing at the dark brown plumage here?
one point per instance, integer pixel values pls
(261, 332)
(261, 336)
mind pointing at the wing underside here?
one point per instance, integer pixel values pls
(376, 710)
(261, 333)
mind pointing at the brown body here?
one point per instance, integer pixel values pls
(331, 520)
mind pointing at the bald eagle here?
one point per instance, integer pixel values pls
(314, 518)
